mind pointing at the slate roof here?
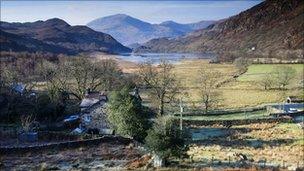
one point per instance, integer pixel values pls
(289, 107)
(92, 98)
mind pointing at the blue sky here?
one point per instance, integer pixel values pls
(82, 12)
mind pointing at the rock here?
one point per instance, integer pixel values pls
(148, 165)
(139, 163)
(130, 146)
(241, 156)
(292, 168)
(158, 161)
(43, 166)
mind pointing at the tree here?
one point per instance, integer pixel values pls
(20, 71)
(284, 74)
(165, 139)
(161, 82)
(266, 81)
(126, 114)
(78, 74)
(241, 64)
(209, 80)
(111, 75)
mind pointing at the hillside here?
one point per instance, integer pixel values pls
(129, 30)
(56, 36)
(13, 42)
(271, 28)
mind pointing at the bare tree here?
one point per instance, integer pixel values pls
(241, 64)
(56, 77)
(208, 90)
(109, 74)
(161, 82)
(92, 75)
(266, 81)
(21, 71)
(284, 74)
(78, 74)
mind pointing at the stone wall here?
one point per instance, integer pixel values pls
(65, 144)
(195, 123)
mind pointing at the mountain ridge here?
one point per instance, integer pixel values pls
(60, 35)
(140, 31)
(271, 28)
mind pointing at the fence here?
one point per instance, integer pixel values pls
(191, 123)
(222, 112)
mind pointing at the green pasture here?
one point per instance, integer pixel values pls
(234, 116)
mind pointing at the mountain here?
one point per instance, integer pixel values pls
(177, 27)
(56, 36)
(16, 43)
(270, 29)
(129, 30)
(185, 28)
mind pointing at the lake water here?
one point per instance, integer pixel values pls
(155, 58)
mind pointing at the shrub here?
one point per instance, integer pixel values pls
(165, 139)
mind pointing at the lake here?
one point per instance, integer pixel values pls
(155, 58)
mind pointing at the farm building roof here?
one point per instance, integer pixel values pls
(294, 99)
(289, 107)
(19, 87)
(92, 98)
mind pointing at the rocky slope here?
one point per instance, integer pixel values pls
(129, 30)
(56, 36)
(271, 28)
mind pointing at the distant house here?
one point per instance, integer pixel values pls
(95, 118)
(294, 99)
(18, 88)
(290, 109)
(93, 114)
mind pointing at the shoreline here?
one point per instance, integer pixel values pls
(131, 67)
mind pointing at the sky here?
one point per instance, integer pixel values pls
(82, 12)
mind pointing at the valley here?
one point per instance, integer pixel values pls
(268, 29)
(152, 85)
(246, 87)
(140, 31)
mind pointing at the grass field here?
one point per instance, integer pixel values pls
(240, 92)
(236, 93)
(277, 143)
(257, 70)
(188, 71)
(234, 116)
